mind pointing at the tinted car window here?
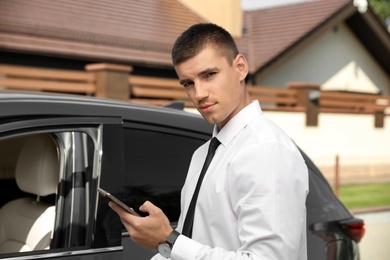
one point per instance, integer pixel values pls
(156, 165)
(322, 205)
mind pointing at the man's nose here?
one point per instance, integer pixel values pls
(201, 91)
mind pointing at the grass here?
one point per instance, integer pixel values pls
(365, 195)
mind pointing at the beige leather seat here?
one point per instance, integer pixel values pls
(26, 224)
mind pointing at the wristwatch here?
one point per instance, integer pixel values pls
(165, 248)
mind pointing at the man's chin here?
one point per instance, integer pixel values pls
(209, 118)
(211, 121)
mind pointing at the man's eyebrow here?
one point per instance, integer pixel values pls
(208, 70)
(203, 72)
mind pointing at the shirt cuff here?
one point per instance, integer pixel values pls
(158, 257)
(185, 248)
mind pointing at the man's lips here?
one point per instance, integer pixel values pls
(206, 107)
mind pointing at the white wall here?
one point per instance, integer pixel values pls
(353, 137)
(336, 60)
(363, 150)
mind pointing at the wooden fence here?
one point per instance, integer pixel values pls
(32, 78)
(116, 82)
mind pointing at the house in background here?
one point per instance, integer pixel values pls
(330, 44)
(325, 42)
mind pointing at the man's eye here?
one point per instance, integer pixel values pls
(187, 84)
(210, 74)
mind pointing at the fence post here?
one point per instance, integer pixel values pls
(307, 96)
(111, 80)
(379, 118)
(337, 176)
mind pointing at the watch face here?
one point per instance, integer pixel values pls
(164, 249)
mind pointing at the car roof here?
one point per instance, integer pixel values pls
(39, 104)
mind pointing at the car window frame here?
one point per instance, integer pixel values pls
(55, 125)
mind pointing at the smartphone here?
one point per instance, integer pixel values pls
(118, 202)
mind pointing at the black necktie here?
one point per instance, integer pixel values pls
(189, 221)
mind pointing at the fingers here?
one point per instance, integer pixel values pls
(123, 214)
(116, 208)
(146, 231)
(148, 207)
(126, 218)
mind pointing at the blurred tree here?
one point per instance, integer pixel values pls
(381, 8)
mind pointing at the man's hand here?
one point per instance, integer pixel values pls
(146, 231)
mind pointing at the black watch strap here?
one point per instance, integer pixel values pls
(171, 239)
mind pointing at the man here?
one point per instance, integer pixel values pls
(251, 203)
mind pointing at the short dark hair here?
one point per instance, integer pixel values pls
(199, 36)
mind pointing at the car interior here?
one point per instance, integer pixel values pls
(26, 219)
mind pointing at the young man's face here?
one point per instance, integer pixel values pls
(214, 86)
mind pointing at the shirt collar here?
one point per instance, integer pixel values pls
(237, 123)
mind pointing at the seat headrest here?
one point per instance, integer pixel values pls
(37, 168)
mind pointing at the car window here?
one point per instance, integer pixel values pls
(156, 164)
(321, 203)
(48, 181)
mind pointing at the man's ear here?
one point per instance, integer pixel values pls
(242, 66)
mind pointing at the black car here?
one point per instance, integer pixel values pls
(56, 150)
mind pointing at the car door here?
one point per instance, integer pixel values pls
(155, 167)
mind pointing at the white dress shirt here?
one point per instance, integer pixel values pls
(251, 204)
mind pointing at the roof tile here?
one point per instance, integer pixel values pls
(149, 27)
